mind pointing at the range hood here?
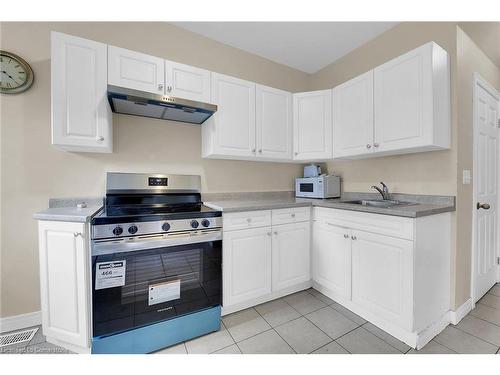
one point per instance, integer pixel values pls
(146, 104)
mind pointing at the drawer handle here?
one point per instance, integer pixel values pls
(269, 233)
(353, 238)
(293, 215)
(346, 236)
(275, 233)
(76, 234)
(249, 219)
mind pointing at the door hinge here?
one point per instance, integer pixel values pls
(498, 260)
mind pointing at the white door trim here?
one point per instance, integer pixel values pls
(478, 81)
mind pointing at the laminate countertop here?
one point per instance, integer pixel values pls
(418, 205)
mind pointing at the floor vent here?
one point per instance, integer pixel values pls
(17, 337)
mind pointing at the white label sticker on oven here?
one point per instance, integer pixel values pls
(163, 292)
(110, 274)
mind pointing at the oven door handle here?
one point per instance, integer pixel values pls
(153, 242)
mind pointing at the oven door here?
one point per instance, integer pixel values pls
(146, 280)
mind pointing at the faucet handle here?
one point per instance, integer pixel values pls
(384, 186)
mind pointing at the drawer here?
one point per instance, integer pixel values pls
(291, 215)
(245, 220)
(394, 226)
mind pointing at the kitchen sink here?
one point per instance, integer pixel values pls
(380, 203)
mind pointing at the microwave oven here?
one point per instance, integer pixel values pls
(324, 186)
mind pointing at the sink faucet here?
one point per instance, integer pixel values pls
(384, 192)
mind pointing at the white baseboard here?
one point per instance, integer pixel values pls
(12, 323)
(433, 330)
(457, 315)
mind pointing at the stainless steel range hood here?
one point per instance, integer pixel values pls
(146, 104)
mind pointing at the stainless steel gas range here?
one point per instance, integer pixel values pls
(156, 264)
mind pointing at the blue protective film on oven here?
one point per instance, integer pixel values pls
(159, 335)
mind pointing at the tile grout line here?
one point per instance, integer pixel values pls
(277, 331)
(470, 334)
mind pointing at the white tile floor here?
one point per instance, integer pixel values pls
(309, 322)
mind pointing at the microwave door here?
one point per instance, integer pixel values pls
(306, 187)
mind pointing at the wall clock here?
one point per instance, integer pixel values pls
(16, 74)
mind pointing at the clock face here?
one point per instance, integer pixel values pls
(15, 73)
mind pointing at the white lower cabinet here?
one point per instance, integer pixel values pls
(264, 261)
(332, 258)
(392, 271)
(291, 253)
(382, 275)
(246, 265)
(64, 283)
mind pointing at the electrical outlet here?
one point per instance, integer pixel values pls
(466, 177)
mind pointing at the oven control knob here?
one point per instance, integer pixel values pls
(132, 229)
(117, 231)
(165, 227)
(205, 223)
(195, 224)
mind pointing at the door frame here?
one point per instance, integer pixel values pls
(479, 81)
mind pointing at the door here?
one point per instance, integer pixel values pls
(312, 125)
(188, 82)
(382, 275)
(403, 101)
(64, 281)
(291, 253)
(135, 70)
(274, 123)
(81, 116)
(486, 108)
(234, 121)
(353, 117)
(332, 258)
(246, 265)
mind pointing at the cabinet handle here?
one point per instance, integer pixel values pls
(293, 215)
(275, 233)
(375, 145)
(368, 146)
(296, 153)
(253, 150)
(353, 238)
(346, 236)
(76, 234)
(249, 219)
(100, 138)
(160, 87)
(169, 88)
(268, 233)
(260, 151)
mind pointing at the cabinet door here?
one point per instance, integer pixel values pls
(234, 121)
(403, 101)
(382, 276)
(332, 258)
(291, 249)
(187, 82)
(274, 123)
(353, 117)
(135, 70)
(246, 265)
(312, 125)
(81, 116)
(64, 281)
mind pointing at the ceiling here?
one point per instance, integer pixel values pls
(306, 46)
(487, 36)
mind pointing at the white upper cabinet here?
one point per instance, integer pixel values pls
(135, 70)
(274, 123)
(312, 125)
(412, 102)
(81, 116)
(188, 82)
(353, 117)
(230, 132)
